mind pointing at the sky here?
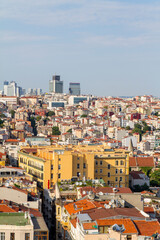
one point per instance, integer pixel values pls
(111, 47)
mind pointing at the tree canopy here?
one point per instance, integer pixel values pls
(56, 131)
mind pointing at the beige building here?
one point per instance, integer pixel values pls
(16, 226)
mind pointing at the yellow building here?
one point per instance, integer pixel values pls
(2, 157)
(50, 164)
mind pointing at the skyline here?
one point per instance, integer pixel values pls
(110, 47)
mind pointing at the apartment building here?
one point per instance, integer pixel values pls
(50, 164)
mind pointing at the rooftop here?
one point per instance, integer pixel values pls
(17, 219)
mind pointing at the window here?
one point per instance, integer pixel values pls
(116, 163)
(109, 166)
(121, 179)
(59, 166)
(100, 162)
(51, 175)
(27, 236)
(100, 171)
(12, 236)
(108, 183)
(122, 162)
(96, 162)
(59, 211)
(129, 237)
(96, 171)
(109, 174)
(78, 174)
(59, 175)
(100, 229)
(77, 165)
(84, 165)
(116, 171)
(52, 167)
(2, 236)
(116, 179)
(59, 159)
(121, 170)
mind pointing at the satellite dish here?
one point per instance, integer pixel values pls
(101, 193)
(107, 206)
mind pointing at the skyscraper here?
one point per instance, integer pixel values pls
(74, 89)
(56, 85)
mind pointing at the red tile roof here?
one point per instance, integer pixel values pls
(103, 213)
(103, 190)
(5, 208)
(79, 206)
(127, 223)
(73, 222)
(141, 162)
(89, 225)
(147, 228)
(148, 209)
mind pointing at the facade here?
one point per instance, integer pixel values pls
(56, 85)
(75, 100)
(55, 104)
(16, 226)
(11, 89)
(50, 164)
(74, 89)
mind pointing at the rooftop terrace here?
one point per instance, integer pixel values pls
(17, 219)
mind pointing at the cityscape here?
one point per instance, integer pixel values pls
(79, 120)
(78, 166)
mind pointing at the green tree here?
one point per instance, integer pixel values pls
(1, 123)
(70, 130)
(156, 114)
(83, 115)
(12, 112)
(50, 113)
(146, 170)
(155, 177)
(33, 124)
(45, 120)
(55, 131)
(128, 128)
(39, 118)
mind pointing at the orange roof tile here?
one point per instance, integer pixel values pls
(147, 228)
(89, 225)
(79, 206)
(148, 209)
(5, 208)
(141, 162)
(128, 224)
(73, 222)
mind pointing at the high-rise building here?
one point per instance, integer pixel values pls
(56, 85)
(5, 87)
(11, 89)
(74, 89)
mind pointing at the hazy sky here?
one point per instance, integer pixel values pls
(110, 47)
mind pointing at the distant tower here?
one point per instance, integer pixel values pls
(130, 148)
(74, 89)
(56, 85)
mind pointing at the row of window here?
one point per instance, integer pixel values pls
(12, 236)
(78, 165)
(116, 163)
(116, 171)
